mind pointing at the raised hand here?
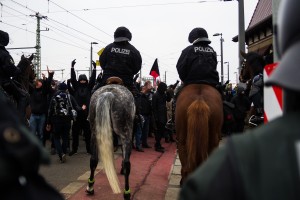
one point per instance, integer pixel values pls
(94, 64)
(49, 71)
(73, 63)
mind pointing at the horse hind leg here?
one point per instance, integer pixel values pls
(126, 165)
(93, 165)
(126, 171)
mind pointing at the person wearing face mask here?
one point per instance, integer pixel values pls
(82, 89)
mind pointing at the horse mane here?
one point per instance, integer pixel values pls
(27, 75)
(253, 65)
(256, 61)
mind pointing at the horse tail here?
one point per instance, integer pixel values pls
(197, 134)
(105, 139)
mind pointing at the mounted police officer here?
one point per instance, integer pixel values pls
(121, 59)
(9, 70)
(198, 62)
(263, 163)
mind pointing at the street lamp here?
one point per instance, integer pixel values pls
(221, 41)
(227, 70)
(91, 66)
(241, 36)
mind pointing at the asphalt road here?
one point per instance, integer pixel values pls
(59, 174)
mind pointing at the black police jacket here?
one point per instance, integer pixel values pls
(198, 64)
(7, 66)
(120, 59)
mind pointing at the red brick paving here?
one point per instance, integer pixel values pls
(148, 179)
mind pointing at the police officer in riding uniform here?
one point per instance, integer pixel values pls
(9, 70)
(121, 59)
(263, 164)
(198, 62)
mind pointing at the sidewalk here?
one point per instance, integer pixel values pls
(153, 176)
(174, 181)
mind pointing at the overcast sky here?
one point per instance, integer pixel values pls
(159, 29)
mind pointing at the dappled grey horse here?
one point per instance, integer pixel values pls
(112, 109)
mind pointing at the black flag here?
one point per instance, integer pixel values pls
(154, 70)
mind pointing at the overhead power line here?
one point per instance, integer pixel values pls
(64, 25)
(45, 36)
(130, 6)
(81, 19)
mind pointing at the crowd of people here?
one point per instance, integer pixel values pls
(59, 110)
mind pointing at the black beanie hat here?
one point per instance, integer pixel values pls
(62, 86)
(4, 38)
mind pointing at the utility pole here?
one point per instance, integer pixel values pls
(241, 33)
(221, 42)
(37, 58)
(275, 6)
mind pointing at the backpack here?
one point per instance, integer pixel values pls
(62, 104)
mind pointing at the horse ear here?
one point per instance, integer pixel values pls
(22, 57)
(31, 57)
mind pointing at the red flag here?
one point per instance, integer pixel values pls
(154, 70)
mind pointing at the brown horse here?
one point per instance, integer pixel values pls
(26, 78)
(253, 65)
(198, 121)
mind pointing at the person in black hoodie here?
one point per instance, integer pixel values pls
(159, 108)
(39, 105)
(60, 117)
(146, 111)
(82, 93)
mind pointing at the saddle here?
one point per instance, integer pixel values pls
(114, 80)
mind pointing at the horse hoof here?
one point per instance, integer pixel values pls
(127, 195)
(89, 192)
